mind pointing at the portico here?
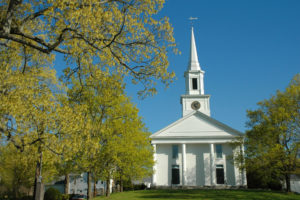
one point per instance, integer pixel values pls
(198, 163)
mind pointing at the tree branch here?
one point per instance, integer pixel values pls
(34, 15)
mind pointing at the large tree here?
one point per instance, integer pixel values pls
(31, 115)
(97, 95)
(272, 143)
(97, 38)
(114, 138)
(124, 34)
(126, 152)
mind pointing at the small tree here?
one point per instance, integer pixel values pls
(16, 169)
(272, 143)
(126, 152)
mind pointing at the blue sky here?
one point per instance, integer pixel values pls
(247, 48)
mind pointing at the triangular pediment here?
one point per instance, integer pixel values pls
(197, 125)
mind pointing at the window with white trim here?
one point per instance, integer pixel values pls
(175, 151)
(219, 150)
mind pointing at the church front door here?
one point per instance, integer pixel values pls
(220, 174)
(175, 175)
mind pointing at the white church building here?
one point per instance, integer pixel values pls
(194, 151)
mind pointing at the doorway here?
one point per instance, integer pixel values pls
(175, 175)
(220, 174)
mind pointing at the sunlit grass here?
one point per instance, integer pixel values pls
(202, 194)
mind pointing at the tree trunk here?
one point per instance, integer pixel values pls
(95, 188)
(107, 187)
(37, 177)
(37, 174)
(67, 182)
(121, 185)
(89, 191)
(16, 184)
(288, 182)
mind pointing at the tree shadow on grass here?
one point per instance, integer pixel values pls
(217, 194)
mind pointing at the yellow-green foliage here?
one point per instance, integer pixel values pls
(92, 125)
(33, 115)
(272, 143)
(114, 139)
(16, 169)
(123, 35)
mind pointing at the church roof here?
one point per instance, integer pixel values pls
(194, 64)
(196, 125)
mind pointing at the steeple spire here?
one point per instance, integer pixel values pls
(194, 98)
(193, 62)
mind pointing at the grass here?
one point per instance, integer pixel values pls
(201, 194)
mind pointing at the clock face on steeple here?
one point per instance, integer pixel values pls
(195, 105)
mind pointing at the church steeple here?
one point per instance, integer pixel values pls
(193, 62)
(194, 98)
(194, 75)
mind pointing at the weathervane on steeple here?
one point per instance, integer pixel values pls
(192, 19)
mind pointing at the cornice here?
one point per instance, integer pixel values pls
(195, 96)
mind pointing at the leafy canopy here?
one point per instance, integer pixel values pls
(272, 143)
(120, 34)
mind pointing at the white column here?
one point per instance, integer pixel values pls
(212, 165)
(154, 166)
(244, 177)
(225, 169)
(183, 164)
(237, 173)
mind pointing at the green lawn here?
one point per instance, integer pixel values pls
(201, 194)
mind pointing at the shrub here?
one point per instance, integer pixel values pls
(140, 186)
(130, 187)
(52, 194)
(66, 197)
(275, 185)
(127, 185)
(27, 198)
(71, 195)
